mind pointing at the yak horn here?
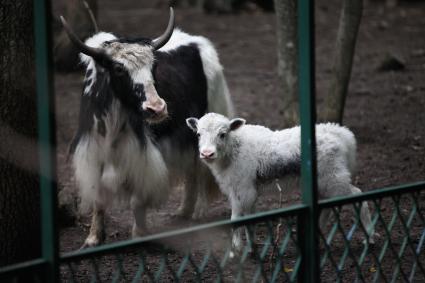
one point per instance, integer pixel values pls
(91, 15)
(157, 43)
(96, 53)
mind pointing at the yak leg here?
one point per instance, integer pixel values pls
(190, 194)
(97, 227)
(139, 225)
(206, 190)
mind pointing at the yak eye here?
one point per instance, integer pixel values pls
(198, 135)
(118, 69)
(222, 135)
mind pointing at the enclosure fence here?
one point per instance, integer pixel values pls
(288, 245)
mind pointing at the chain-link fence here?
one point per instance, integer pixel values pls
(200, 254)
(395, 254)
(390, 250)
(348, 252)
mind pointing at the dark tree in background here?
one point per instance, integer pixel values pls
(19, 183)
(348, 28)
(286, 28)
(287, 51)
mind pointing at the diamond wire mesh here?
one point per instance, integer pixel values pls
(398, 254)
(273, 256)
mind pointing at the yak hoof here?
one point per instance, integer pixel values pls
(183, 212)
(91, 241)
(138, 232)
(199, 213)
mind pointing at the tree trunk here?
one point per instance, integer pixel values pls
(344, 53)
(287, 44)
(19, 183)
(65, 54)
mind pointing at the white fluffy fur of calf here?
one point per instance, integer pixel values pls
(244, 158)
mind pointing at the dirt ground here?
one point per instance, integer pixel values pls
(385, 110)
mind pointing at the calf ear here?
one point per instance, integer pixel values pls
(192, 123)
(236, 123)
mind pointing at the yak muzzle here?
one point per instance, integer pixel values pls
(157, 111)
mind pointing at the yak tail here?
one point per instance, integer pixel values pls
(219, 100)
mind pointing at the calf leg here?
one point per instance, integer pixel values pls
(249, 239)
(340, 185)
(367, 223)
(236, 232)
(364, 214)
(365, 217)
(97, 227)
(324, 219)
(242, 201)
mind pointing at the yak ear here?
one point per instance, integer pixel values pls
(192, 123)
(236, 123)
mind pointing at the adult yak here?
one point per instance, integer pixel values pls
(132, 142)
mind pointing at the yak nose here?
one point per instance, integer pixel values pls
(207, 154)
(154, 104)
(158, 108)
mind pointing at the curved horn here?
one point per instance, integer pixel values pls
(83, 48)
(91, 15)
(163, 39)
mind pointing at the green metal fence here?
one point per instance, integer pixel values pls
(289, 246)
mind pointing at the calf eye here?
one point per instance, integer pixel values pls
(222, 135)
(198, 135)
(118, 69)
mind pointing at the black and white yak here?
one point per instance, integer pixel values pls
(132, 144)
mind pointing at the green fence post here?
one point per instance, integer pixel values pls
(307, 231)
(46, 137)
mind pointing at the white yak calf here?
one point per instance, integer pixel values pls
(244, 158)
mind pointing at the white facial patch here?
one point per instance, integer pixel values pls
(207, 142)
(138, 59)
(210, 127)
(212, 122)
(95, 41)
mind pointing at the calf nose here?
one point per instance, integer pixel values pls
(207, 154)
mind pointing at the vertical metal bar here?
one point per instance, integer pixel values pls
(46, 137)
(308, 226)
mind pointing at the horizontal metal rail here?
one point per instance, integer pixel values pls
(245, 220)
(292, 210)
(36, 266)
(374, 194)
